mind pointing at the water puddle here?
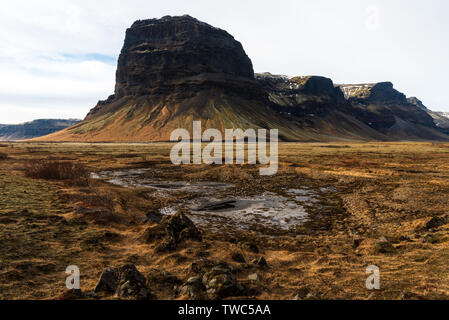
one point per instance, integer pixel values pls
(214, 209)
(268, 210)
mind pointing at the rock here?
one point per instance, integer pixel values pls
(238, 257)
(131, 284)
(194, 289)
(384, 246)
(126, 282)
(180, 228)
(172, 230)
(221, 283)
(107, 281)
(254, 277)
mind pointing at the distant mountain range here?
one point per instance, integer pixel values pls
(175, 70)
(36, 128)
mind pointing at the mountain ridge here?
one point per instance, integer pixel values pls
(174, 70)
(35, 128)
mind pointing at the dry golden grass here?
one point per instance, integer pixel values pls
(381, 189)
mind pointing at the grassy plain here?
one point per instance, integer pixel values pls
(389, 190)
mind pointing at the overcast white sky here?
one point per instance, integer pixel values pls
(58, 58)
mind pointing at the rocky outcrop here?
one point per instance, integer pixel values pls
(415, 101)
(33, 129)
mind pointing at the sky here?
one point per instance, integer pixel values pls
(58, 58)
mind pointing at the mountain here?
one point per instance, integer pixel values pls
(315, 105)
(36, 128)
(174, 70)
(388, 111)
(441, 119)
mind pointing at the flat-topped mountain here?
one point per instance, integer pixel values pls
(161, 53)
(36, 128)
(175, 70)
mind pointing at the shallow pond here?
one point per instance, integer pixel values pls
(215, 209)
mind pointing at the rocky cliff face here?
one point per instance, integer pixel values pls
(34, 129)
(382, 92)
(161, 52)
(415, 101)
(389, 111)
(441, 119)
(302, 95)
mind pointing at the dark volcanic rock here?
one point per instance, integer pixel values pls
(161, 51)
(194, 289)
(126, 282)
(220, 282)
(301, 96)
(172, 230)
(415, 101)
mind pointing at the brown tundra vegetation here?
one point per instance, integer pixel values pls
(223, 231)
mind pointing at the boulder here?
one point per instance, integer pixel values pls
(221, 283)
(172, 230)
(384, 246)
(194, 289)
(126, 282)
